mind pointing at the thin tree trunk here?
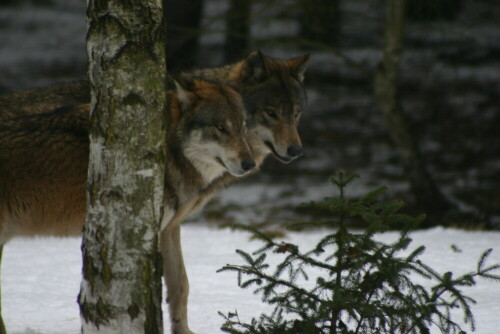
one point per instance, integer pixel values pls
(121, 287)
(237, 42)
(427, 194)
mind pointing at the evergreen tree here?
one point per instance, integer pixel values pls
(363, 285)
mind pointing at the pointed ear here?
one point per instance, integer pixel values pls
(255, 67)
(299, 66)
(183, 91)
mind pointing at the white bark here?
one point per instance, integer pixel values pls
(121, 287)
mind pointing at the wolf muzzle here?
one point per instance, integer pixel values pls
(295, 151)
(248, 165)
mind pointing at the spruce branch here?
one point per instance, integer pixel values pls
(359, 285)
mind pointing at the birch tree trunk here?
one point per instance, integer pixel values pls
(121, 286)
(427, 194)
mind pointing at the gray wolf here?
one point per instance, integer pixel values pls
(272, 91)
(274, 97)
(44, 160)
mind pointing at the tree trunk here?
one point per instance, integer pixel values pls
(237, 42)
(183, 32)
(121, 287)
(427, 194)
(320, 21)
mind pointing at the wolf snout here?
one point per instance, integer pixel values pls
(295, 151)
(247, 165)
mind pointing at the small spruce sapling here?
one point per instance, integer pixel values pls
(361, 285)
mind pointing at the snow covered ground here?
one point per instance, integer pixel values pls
(41, 277)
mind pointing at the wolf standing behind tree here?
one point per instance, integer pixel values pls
(274, 97)
(44, 159)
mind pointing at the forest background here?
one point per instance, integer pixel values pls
(448, 89)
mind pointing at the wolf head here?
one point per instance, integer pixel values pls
(274, 97)
(213, 127)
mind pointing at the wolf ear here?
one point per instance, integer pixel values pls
(184, 94)
(255, 67)
(299, 66)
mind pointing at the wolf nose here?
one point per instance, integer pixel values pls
(295, 151)
(247, 165)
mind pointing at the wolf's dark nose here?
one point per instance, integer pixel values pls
(247, 165)
(295, 151)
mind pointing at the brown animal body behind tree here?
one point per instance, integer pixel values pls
(43, 99)
(43, 171)
(44, 161)
(274, 97)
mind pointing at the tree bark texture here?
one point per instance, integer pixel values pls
(121, 287)
(427, 194)
(237, 42)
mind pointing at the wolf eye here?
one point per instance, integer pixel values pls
(271, 113)
(221, 128)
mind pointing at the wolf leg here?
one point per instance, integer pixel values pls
(176, 279)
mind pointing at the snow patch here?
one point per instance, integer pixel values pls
(41, 277)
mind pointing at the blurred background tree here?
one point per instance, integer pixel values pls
(183, 31)
(428, 197)
(447, 89)
(237, 34)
